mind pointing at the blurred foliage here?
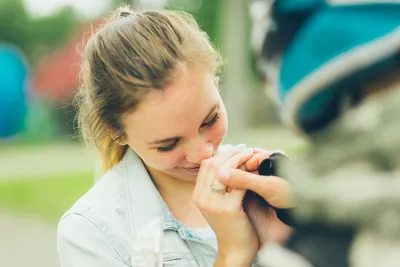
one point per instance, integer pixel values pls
(48, 197)
(207, 15)
(206, 12)
(36, 37)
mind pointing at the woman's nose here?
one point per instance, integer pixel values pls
(199, 150)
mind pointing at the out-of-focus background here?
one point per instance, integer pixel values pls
(44, 166)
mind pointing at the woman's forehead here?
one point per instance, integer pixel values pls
(189, 90)
(187, 101)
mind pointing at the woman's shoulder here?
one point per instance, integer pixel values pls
(103, 204)
(104, 193)
(98, 218)
(90, 240)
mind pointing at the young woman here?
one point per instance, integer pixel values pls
(150, 102)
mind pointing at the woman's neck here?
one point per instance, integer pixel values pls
(177, 194)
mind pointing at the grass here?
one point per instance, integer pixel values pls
(48, 197)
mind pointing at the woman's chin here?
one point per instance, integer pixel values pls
(188, 175)
(191, 177)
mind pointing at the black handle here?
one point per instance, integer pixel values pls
(269, 167)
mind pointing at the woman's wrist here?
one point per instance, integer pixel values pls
(239, 258)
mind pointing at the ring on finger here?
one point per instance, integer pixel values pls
(218, 188)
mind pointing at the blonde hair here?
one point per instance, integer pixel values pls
(132, 54)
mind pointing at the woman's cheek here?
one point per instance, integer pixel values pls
(163, 161)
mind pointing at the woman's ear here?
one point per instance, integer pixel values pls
(122, 140)
(118, 137)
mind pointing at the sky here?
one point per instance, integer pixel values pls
(87, 8)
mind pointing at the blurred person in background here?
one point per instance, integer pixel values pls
(14, 79)
(150, 103)
(335, 68)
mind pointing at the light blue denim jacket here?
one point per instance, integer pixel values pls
(100, 229)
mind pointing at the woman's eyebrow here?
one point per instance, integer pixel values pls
(166, 140)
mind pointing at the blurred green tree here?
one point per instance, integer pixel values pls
(35, 37)
(206, 13)
(14, 23)
(49, 32)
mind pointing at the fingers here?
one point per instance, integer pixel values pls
(274, 190)
(254, 162)
(211, 168)
(220, 165)
(234, 162)
(245, 180)
(222, 157)
(204, 196)
(259, 155)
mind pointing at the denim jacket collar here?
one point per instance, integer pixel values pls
(144, 202)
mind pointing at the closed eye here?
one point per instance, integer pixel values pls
(168, 148)
(211, 122)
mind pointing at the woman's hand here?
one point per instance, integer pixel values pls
(266, 223)
(258, 157)
(237, 240)
(275, 190)
(264, 220)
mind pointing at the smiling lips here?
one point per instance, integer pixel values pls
(194, 170)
